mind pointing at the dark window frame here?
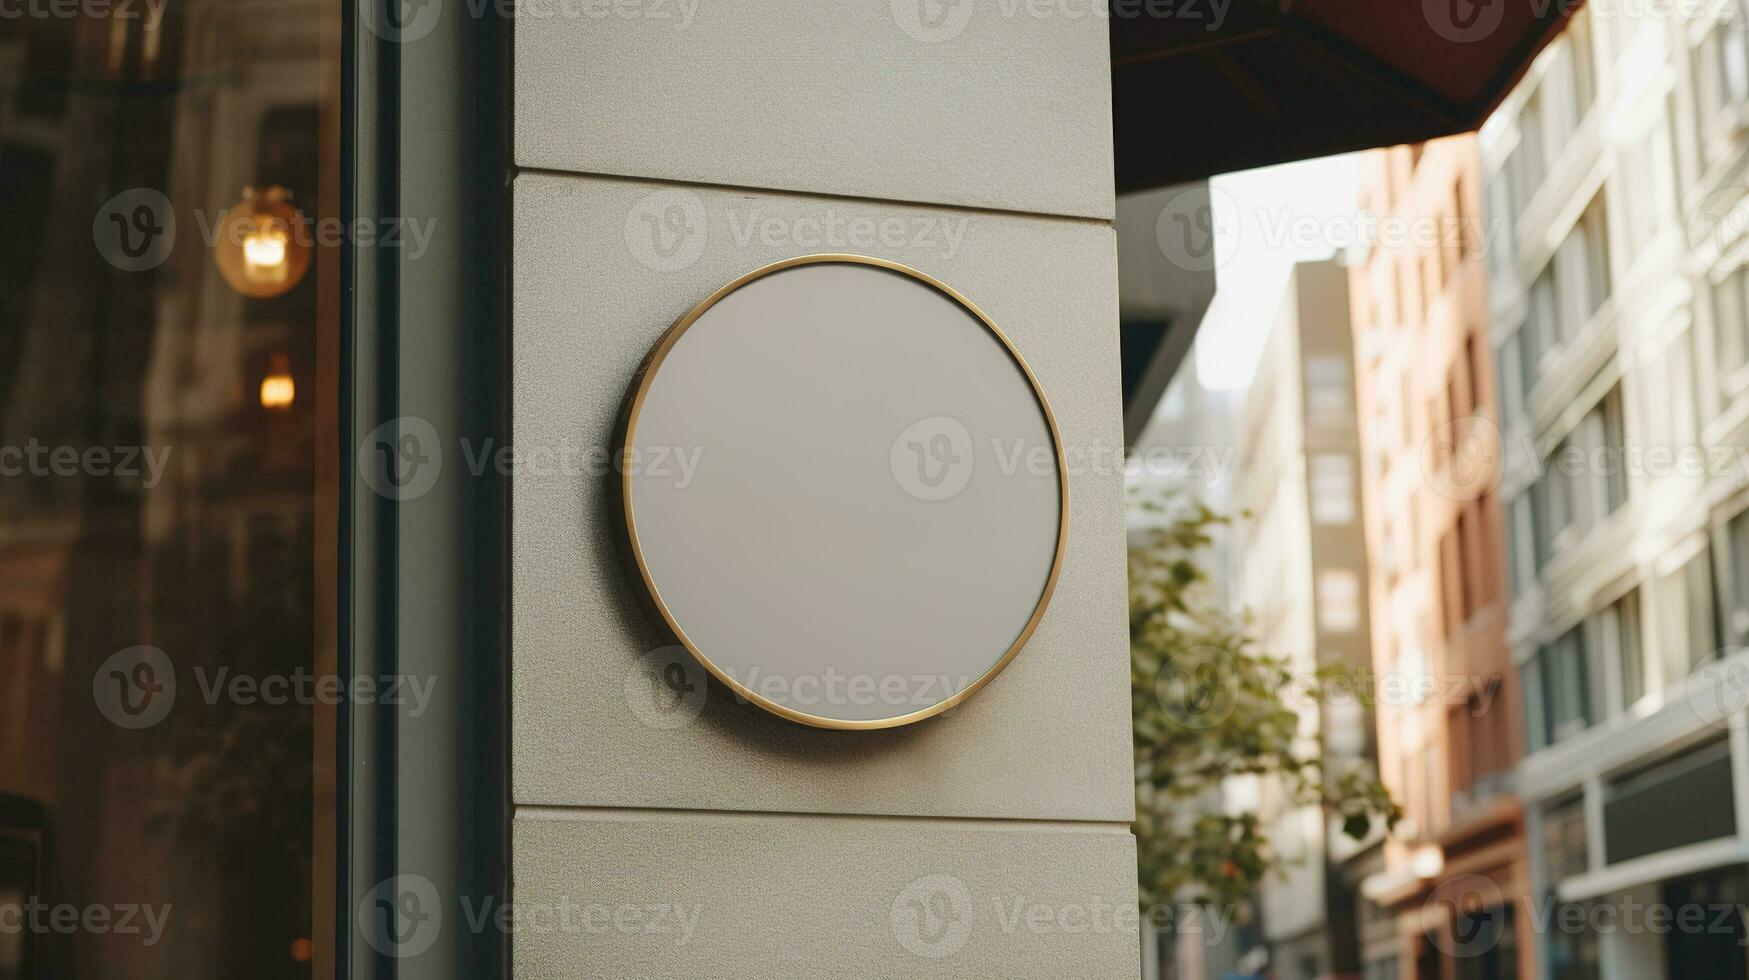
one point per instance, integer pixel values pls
(423, 581)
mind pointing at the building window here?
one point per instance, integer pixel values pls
(1566, 687)
(1720, 65)
(1520, 536)
(1565, 852)
(1527, 164)
(1332, 487)
(1647, 166)
(1595, 462)
(1541, 332)
(1674, 803)
(1329, 390)
(1687, 636)
(1497, 232)
(1338, 601)
(1453, 602)
(1462, 234)
(1469, 541)
(1551, 511)
(1432, 283)
(1405, 409)
(1583, 481)
(1482, 753)
(1485, 942)
(1405, 272)
(1669, 416)
(1515, 377)
(1389, 968)
(1576, 75)
(1583, 274)
(1621, 634)
(1472, 376)
(1731, 328)
(1438, 420)
(1573, 953)
(1734, 616)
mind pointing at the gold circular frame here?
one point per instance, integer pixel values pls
(641, 388)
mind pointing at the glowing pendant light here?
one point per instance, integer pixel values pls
(260, 251)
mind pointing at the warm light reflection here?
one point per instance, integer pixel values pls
(1427, 861)
(277, 388)
(264, 255)
(259, 252)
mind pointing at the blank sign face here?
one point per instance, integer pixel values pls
(843, 491)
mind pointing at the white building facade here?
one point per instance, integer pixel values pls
(1616, 284)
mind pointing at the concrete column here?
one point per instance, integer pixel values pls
(663, 149)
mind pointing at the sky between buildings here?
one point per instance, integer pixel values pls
(1274, 217)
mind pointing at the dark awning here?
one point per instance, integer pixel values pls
(1201, 87)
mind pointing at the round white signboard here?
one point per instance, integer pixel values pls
(843, 491)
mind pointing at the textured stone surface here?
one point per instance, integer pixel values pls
(681, 894)
(1048, 739)
(1001, 105)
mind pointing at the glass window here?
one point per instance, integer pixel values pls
(1591, 462)
(1451, 582)
(1460, 238)
(1389, 968)
(1329, 390)
(1332, 489)
(1566, 687)
(1565, 852)
(1406, 291)
(1522, 566)
(1338, 601)
(1474, 402)
(1542, 329)
(1528, 160)
(1637, 808)
(1614, 471)
(1583, 274)
(1731, 327)
(1622, 624)
(1536, 729)
(1581, 64)
(1647, 165)
(1485, 943)
(1720, 66)
(1498, 245)
(1552, 498)
(1483, 736)
(1734, 616)
(1573, 951)
(1687, 634)
(1510, 372)
(1669, 419)
(168, 323)
(1432, 282)
(1405, 410)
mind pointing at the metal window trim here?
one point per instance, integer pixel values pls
(421, 580)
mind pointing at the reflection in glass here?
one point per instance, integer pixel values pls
(162, 480)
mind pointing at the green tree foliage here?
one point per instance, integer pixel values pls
(1210, 706)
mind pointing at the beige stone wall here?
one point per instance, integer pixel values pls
(660, 157)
